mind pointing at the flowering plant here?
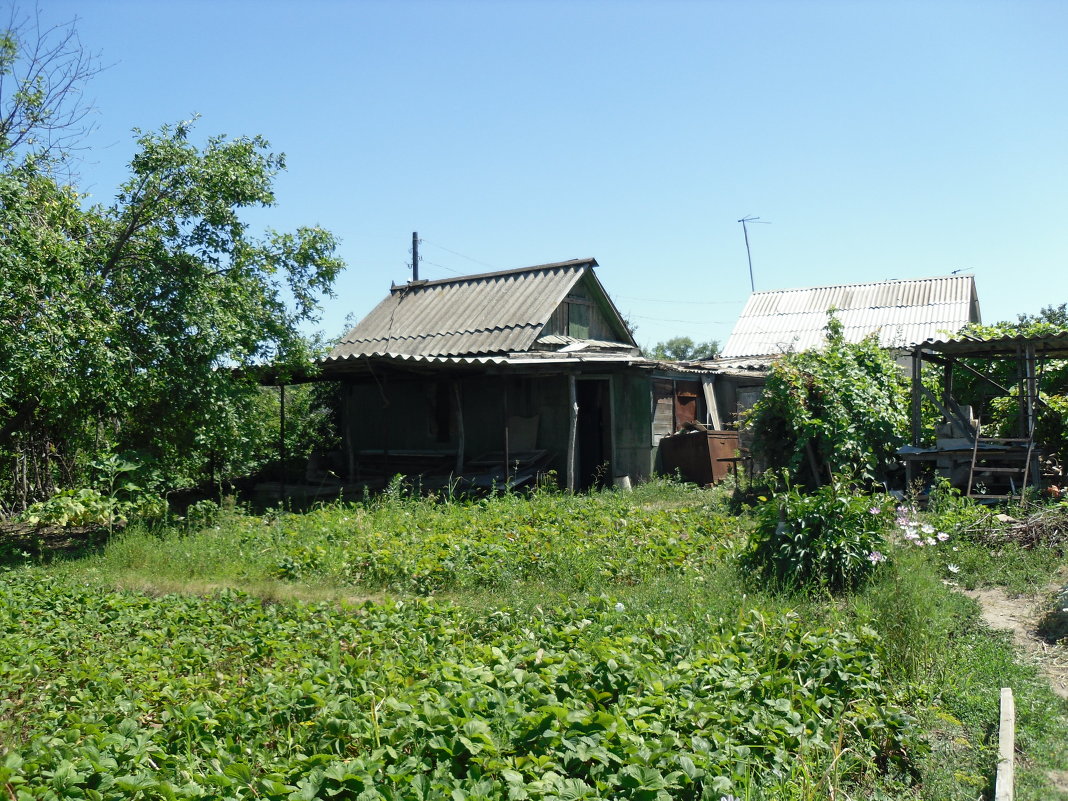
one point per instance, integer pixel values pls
(831, 538)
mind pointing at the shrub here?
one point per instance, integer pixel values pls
(841, 408)
(831, 538)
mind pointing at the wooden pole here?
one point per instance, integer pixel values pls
(459, 428)
(507, 444)
(350, 448)
(1032, 386)
(572, 431)
(1004, 784)
(917, 409)
(917, 395)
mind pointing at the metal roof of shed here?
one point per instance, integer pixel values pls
(489, 313)
(1053, 345)
(900, 312)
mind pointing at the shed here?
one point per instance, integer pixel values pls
(900, 312)
(502, 375)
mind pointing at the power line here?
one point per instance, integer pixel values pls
(681, 302)
(426, 241)
(442, 266)
(672, 320)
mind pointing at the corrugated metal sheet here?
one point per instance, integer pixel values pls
(1050, 346)
(900, 312)
(500, 312)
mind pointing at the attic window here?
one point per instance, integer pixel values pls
(578, 318)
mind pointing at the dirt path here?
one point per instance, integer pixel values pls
(1021, 616)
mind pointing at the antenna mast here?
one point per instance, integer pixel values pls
(745, 230)
(415, 255)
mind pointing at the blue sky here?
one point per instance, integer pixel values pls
(880, 139)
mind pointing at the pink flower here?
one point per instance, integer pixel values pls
(942, 536)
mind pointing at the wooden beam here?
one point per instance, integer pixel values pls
(917, 401)
(459, 428)
(507, 437)
(1031, 379)
(1004, 784)
(572, 432)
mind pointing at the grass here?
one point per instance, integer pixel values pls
(654, 574)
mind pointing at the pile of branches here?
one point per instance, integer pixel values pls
(1046, 527)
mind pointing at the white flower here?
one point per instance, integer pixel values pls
(620, 607)
(931, 541)
(927, 528)
(953, 568)
(942, 536)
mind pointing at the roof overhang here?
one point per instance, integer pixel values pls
(1050, 346)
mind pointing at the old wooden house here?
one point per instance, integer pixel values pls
(502, 376)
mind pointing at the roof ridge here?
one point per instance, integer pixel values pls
(863, 283)
(495, 274)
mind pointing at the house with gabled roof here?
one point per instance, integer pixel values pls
(500, 376)
(900, 312)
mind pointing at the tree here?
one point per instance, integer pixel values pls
(683, 349)
(43, 72)
(840, 409)
(119, 325)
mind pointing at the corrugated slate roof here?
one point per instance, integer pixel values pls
(499, 312)
(901, 312)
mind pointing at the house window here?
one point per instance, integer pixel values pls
(578, 319)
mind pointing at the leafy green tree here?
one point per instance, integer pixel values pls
(841, 409)
(122, 325)
(684, 349)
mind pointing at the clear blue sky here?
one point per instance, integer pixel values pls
(881, 139)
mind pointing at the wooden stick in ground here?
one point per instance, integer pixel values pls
(1003, 787)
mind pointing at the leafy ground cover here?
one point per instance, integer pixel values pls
(418, 545)
(601, 646)
(187, 696)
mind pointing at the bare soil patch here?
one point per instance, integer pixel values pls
(1022, 615)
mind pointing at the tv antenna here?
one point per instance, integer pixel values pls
(745, 221)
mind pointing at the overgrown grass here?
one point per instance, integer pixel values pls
(642, 590)
(421, 546)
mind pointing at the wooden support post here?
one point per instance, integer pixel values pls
(917, 395)
(459, 428)
(1021, 392)
(1004, 784)
(917, 409)
(572, 432)
(947, 384)
(507, 444)
(346, 425)
(1032, 387)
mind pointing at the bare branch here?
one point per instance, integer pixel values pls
(44, 112)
